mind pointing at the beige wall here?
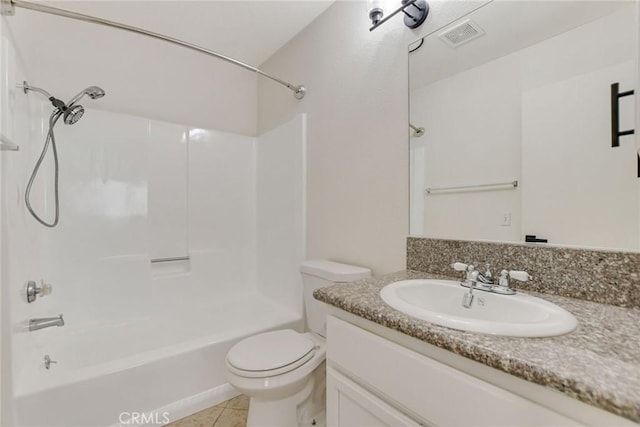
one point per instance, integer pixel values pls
(357, 106)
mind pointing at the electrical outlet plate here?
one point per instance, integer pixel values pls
(506, 219)
(7, 8)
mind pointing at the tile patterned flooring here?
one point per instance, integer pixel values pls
(232, 413)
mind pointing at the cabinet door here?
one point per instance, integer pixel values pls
(349, 405)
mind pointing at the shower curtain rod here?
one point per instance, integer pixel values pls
(8, 8)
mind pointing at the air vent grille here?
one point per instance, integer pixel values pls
(461, 33)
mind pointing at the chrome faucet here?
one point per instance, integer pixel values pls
(475, 280)
(473, 277)
(471, 281)
(45, 322)
(486, 277)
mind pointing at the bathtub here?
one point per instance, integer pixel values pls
(144, 372)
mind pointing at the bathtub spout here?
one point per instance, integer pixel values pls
(45, 322)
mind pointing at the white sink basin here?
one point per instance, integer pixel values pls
(440, 302)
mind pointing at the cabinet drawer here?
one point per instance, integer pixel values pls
(436, 393)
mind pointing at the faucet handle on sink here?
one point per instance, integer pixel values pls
(503, 286)
(459, 266)
(521, 276)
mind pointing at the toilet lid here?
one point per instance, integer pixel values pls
(270, 351)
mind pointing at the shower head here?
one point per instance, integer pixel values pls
(73, 114)
(94, 92)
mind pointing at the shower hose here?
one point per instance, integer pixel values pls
(51, 139)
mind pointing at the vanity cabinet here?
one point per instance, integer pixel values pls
(372, 381)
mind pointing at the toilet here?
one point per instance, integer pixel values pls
(283, 372)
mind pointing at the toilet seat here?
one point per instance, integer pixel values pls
(270, 353)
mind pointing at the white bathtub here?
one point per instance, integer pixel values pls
(166, 367)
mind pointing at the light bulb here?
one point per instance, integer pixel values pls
(375, 10)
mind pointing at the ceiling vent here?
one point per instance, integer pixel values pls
(461, 33)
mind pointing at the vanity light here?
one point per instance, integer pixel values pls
(415, 12)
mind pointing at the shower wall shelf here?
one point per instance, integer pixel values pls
(477, 187)
(7, 145)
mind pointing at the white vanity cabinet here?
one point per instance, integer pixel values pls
(372, 381)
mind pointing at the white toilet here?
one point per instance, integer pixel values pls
(283, 372)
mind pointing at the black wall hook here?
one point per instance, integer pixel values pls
(616, 133)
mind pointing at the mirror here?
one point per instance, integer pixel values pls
(510, 126)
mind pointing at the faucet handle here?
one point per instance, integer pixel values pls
(521, 276)
(459, 266)
(33, 290)
(503, 287)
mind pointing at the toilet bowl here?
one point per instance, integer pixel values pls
(283, 372)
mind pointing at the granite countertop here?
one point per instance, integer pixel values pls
(598, 363)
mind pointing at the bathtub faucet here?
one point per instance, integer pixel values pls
(45, 322)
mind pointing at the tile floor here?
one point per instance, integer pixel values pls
(232, 413)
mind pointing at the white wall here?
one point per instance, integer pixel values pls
(637, 86)
(280, 202)
(357, 206)
(20, 241)
(4, 332)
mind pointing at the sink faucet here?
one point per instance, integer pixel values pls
(475, 280)
(472, 277)
(45, 322)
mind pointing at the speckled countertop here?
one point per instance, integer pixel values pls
(598, 363)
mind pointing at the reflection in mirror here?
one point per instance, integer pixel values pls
(515, 100)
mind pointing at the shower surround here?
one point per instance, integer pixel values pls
(142, 336)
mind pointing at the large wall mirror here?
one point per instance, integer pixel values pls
(511, 128)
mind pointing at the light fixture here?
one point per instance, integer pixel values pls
(415, 12)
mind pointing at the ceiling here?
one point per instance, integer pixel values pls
(509, 26)
(148, 77)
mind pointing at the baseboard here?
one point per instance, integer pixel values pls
(181, 408)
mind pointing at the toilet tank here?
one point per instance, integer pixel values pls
(319, 274)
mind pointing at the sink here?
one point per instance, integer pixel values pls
(440, 302)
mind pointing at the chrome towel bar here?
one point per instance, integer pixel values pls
(479, 187)
(179, 258)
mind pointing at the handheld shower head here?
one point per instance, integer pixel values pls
(94, 92)
(73, 114)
